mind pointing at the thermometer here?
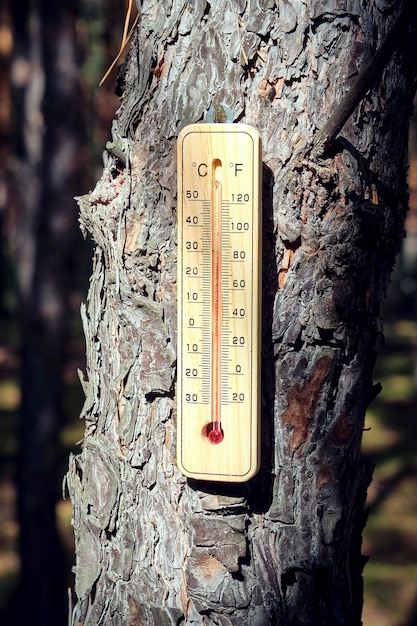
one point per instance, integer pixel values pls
(219, 313)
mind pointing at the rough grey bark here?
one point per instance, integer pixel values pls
(151, 546)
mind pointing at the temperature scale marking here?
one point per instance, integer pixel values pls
(219, 255)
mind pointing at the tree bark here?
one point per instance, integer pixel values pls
(151, 546)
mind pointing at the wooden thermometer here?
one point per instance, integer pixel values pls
(219, 261)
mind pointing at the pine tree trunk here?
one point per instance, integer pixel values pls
(151, 546)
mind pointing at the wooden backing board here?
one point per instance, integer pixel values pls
(219, 301)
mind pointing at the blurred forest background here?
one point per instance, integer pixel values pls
(54, 123)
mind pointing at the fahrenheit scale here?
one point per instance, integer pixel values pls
(219, 260)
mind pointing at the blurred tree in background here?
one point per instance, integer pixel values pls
(47, 100)
(49, 130)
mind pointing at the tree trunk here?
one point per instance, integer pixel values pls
(285, 548)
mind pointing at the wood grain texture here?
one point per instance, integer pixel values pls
(152, 546)
(219, 307)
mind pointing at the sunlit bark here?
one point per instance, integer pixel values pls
(153, 547)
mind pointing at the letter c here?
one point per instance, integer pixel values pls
(202, 169)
